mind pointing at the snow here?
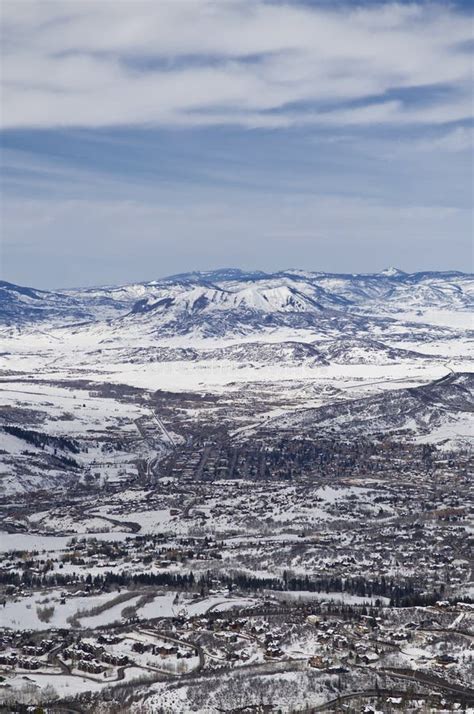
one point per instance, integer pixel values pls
(70, 685)
(391, 272)
(219, 602)
(22, 614)
(366, 335)
(444, 318)
(153, 521)
(304, 596)
(299, 341)
(110, 615)
(162, 605)
(28, 541)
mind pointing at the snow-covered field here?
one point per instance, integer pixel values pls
(49, 543)
(22, 614)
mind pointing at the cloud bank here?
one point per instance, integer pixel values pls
(249, 63)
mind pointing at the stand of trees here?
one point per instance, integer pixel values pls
(399, 595)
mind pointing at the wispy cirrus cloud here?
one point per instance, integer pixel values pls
(242, 62)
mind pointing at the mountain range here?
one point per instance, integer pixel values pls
(222, 302)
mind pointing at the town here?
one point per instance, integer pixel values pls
(339, 562)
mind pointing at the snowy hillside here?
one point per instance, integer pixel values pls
(20, 305)
(440, 411)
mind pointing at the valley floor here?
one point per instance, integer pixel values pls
(236, 524)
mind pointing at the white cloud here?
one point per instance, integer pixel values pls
(459, 139)
(195, 62)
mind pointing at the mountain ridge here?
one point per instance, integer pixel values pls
(236, 296)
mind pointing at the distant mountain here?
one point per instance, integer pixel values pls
(230, 301)
(297, 352)
(20, 305)
(365, 351)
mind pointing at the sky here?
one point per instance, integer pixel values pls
(142, 139)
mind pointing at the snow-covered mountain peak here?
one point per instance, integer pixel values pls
(392, 272)
(265, 297)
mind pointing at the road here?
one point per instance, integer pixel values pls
(165, 438)
(163, 429)
(363, 694)
(432, 680)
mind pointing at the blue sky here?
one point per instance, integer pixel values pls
(142, 139)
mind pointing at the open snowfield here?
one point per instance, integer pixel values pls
(49, 543)
(23, 613)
